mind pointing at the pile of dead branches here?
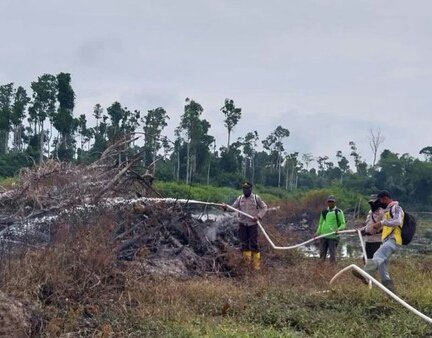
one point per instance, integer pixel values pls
(54, 196)
(163, 239)
(54, 186)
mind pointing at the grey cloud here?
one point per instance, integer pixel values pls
(97, 51)
(299, 64)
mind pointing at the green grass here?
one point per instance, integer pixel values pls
(346, 199)
(7, 182)
(285, 302)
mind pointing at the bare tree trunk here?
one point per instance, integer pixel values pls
(41, 137)
(154, 157)
(279, 170)
(208, 172)
(178, 165)
(253, 169)
(375, 140)
(187, 163)
(49, 139)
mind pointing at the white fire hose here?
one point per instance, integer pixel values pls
(352, 266)
(383, 288)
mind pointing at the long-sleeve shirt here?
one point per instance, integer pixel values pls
(330, 223)
(252, 205)
(374, 235)
(392, 222)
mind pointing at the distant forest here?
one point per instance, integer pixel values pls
(42, 125)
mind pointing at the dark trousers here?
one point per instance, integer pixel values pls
(248, 235)
(371, 248)
(330, 245)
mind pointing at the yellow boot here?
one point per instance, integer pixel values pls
(256, 260)
(247, 256)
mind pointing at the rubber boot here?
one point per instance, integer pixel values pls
(247, 256)
(256, 260)
(388, 283)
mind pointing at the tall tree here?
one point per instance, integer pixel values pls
(232, 116)
(292, 166)
(375, 141)
(195, 135)
(21, 100)
(249, 150)
(116, 114)
(360, 165)
(64, 121)
(97, 113)
(154, 122)
(427, 152)
(322, 160)
(307, 158)
(274, 143)
(84, 132)
(44, 104)
(343, 164)
(6, 94)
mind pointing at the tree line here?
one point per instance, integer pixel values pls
(42, 125)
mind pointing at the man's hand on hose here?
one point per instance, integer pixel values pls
(224, 207)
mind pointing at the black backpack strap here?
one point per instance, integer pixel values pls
(391, 215)
(337, 218)
(324, 214)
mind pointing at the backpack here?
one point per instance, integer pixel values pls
(408, 227)
(325, 212)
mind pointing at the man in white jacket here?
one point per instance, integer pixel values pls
(253, 205)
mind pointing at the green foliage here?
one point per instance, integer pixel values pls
(154, 123)
(347, 199)
(11, 163)
(6, 94)
(232, 116)
(7, 182)
(192, 156)
(197, 192)
(227, 179)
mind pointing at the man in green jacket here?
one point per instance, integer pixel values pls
(331, 220)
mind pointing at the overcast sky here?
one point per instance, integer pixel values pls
(328, 71)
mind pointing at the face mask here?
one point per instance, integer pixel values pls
(247, 192)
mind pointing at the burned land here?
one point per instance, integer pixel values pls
(75, 236)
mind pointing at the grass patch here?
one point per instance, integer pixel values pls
(279, 301)
(7, 182)
(346, 199)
